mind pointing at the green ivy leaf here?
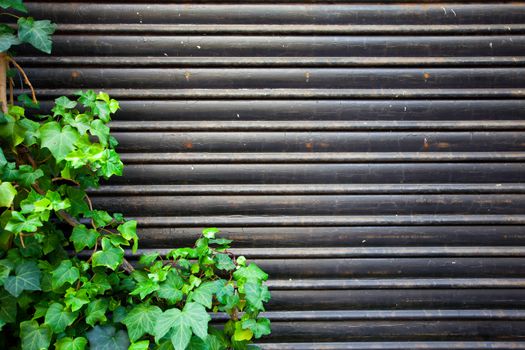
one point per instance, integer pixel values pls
(7, 40)
(170, 288)
(129, 232)
(141, 320)
(7, 194)
(141, 345)
(19, 223)
(64, 273)
(14, 4)
(107, 338)
(224, 262)
(256, 294)
(58, 318)
(34, 336)
(60, 141)
(96, 311)
(252, 273)
(180, 324)
(99, 129)
(100, 217)
(28, 101)
(36, 33)
(27, 277)
(68, 343)
(8, 307)
(204, 293)
(210, 232)
(110, 256)
(145, 288)
(241, 334)
(83, 237)
(259, 327)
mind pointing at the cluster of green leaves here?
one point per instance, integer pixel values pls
(74, 288)
(35, 33)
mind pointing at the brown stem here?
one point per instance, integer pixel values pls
(55, 179)
(11, 88)
(26, 79)
(3, 81)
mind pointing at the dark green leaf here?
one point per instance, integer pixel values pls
(58, 318)
(27, 277)
(34, 336)
(14, 4)
(83, 237)
(64, 273)
(96, 312)
(204, 293)
(107, 338)
(8, 308)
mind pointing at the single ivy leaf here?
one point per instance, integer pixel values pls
(197, 343)
(140, 345)
(7, 194)
(198, 319)
(14, 4)
(19, 223)
(100, 217)
(259, 327)
(83, 237)
(99, 129)
(8, 307)
(252, 273)
(110, 256)
(141, 320)
(27, 175)
(210, 232)
(224, 262)
(27, 277)
(96, 311)
(36, 33)
(59, 141)
(78, 202)
(68, 343)
(204, 293)
(148, 259)
(129, 232)
(107, 338)
(65, 102)
(181, 324)
(144, 288)
(34, 336)
(58, 318)
(5, 269)
(256, 294)
(28, 101)
(7, 40)
(64, 273)
(241, 334)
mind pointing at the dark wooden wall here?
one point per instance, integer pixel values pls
(369, 155)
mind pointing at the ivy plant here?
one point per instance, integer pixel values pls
(65, 281)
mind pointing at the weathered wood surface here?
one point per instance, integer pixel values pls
(370, 155)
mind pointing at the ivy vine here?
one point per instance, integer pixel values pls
(73, 288)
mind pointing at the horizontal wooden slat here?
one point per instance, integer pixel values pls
(252, 45)
(321, 142)
(365, 252)
(279, 13)
(305, 173)
(280, 78)
(395, 299)
(398, 345)
(164, 190)
(269, 61)
(315, 205)
(327, 111)
(329, 220)
(395, 283)
(156, 237)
